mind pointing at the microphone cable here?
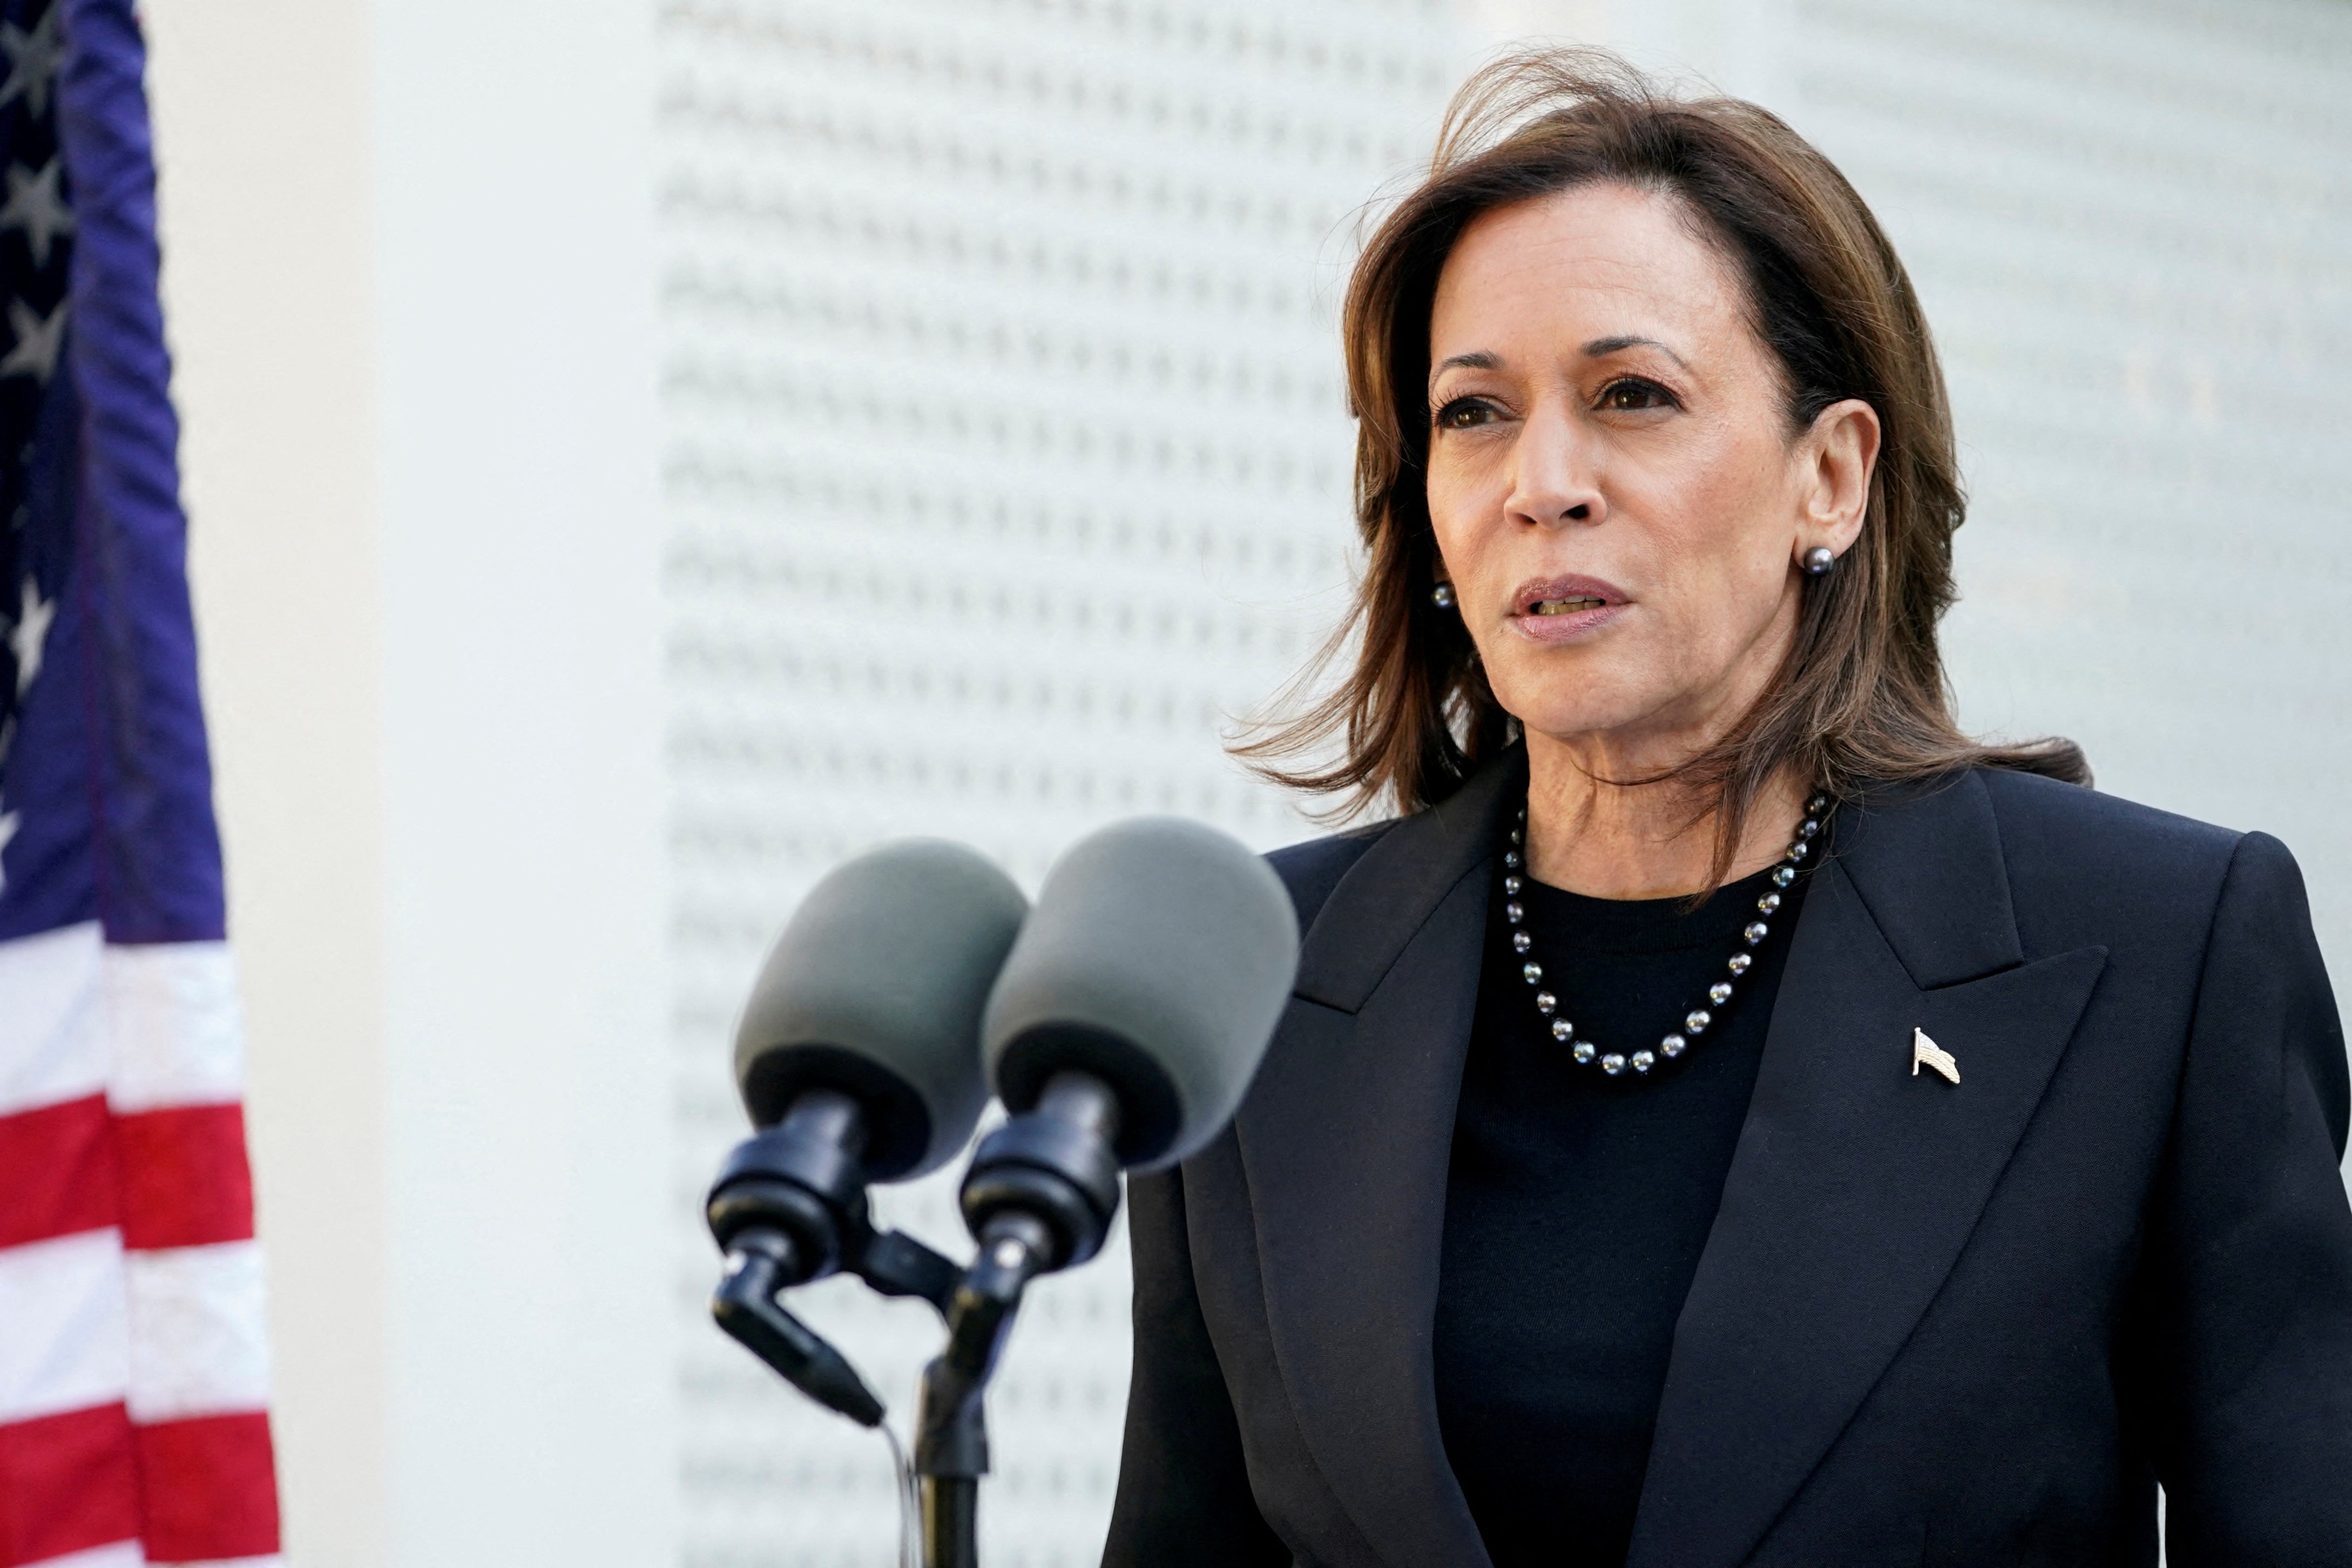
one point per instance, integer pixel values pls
(910, 1505)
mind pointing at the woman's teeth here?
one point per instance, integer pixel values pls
(1566, 606)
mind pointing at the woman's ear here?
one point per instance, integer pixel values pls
(1838, 454)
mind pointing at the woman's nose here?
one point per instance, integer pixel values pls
(1553, 482)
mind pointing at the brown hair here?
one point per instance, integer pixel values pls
(1861, 696)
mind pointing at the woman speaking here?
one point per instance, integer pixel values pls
(1730, 1118)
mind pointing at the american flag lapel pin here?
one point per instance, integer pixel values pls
(1926, 1052)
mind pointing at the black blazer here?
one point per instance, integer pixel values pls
(1966, 1324)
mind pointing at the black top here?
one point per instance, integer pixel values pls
(1577, 1207)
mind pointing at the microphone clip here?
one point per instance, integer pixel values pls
(789, 1207)
(761, 1263)
(745, 1306)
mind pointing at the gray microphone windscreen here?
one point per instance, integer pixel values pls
(1158, 958)
(875, 989)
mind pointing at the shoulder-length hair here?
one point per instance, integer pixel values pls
(1860, 696)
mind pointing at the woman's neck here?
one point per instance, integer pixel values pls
(1644, 841)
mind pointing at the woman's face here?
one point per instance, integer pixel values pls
(1618, 498)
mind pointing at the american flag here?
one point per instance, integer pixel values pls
(133, 1363)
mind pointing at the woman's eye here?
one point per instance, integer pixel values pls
(1633, 396)
(1464, 414)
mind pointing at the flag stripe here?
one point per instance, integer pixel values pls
(68, 1483)
(118, 1554)
(184, 1178)
(57, 1167)
(209, 1487)
(173, 1025)
(64, 1335)
(51, 1045)
(199, 1331)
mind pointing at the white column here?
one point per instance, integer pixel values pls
(266, 192)
(524, 908)
(409, 282)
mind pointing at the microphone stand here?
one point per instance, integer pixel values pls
(1039, 1195)
(951, 1421)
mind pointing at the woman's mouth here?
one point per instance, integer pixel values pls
(1559, 609)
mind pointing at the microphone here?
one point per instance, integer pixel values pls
(1128, 1021)
(1125, 1028)
(857, 1054)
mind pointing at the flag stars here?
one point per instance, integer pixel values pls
(32, 61)
(36, 203)
(39, 341)
(30, 633)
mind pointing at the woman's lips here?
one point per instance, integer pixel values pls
(1555, 609)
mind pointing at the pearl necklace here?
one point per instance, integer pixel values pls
(1698, 1020)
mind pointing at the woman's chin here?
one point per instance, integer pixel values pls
(1573, 723)
(1586, 696)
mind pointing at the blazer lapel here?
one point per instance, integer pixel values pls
(1855, 1184)
(1346, 1139)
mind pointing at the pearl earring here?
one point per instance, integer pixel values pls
(1442, 596)
(1819, 560)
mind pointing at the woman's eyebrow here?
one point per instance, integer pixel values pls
(1600, 346)
(1479, 360)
